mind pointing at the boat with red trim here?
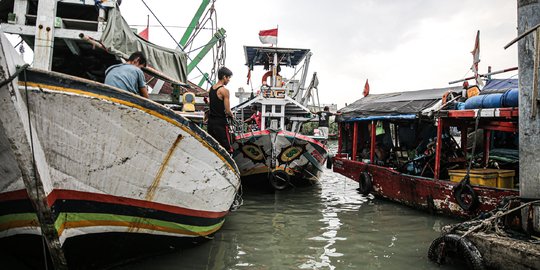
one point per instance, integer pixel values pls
(274, 150)
(412, 148)
(86, 162)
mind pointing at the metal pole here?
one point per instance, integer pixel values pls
(193, 23)
(438, 149)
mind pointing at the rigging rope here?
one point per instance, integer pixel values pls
(170, 35)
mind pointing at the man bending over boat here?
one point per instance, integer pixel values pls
(324, 120)
(255, 118)
(220, 109)
(129, 76)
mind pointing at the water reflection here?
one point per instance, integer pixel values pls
(328, 226)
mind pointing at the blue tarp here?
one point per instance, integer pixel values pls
(499, 86)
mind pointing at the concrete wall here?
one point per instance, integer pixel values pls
(529, 128)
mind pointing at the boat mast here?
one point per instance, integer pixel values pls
(44, 38)
(274, 69)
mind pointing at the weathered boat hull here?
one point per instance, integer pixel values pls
(422, 193)
(261, 153)
(91, 159)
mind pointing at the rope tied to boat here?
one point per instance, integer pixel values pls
(464, 187)
(14, 75)
(491, 223)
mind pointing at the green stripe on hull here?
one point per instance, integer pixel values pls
(18, 220)
(104, 218)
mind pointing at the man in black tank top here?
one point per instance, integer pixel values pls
(220, 109)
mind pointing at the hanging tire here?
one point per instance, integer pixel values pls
(279, 180)
(451, 246)
(329, 162)
(466, 197)
(365, 185)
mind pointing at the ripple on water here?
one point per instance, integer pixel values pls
(327, 226)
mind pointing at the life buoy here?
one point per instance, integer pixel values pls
(445, 246)
(465, 196)
(365, 185)
(265, 77)
(279, 179)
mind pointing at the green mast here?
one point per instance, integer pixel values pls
(220, 34)
(193, 23)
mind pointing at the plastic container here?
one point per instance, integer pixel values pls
(484, 101)
(506, 178)
(510, 98)
(480, 177)
(485, 177)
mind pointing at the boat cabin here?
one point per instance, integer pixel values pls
(282, 103)
(423, 133)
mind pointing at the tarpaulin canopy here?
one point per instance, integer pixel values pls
(120, 40)
(499, 86)
(393, 104)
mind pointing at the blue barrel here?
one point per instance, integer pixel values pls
(510, 98)
(484, 101)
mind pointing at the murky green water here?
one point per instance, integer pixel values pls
(328, 226)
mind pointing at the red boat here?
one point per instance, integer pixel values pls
(405, 147)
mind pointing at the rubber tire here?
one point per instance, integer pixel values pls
(466, 189)
(365, 185)
(279, 180)
(462, 248)
(329, 162)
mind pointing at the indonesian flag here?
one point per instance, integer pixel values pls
(476, 59)
(144, 33)
(268, 36)
(366, 88)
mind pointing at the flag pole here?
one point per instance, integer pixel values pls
(277, 36)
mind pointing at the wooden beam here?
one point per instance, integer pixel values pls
(29, 30)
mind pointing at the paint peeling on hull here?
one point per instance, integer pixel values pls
(422, 193)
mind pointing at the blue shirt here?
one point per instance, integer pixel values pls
(125, 76)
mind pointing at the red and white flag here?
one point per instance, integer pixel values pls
(476, 59)
(366, 88)
(144, 33)
(268, 36)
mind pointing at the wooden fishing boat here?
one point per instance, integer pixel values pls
(85, 162)
(401, 147)
(277, 152)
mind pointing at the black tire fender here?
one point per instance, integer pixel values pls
(442, 248)
(365, 183)
(279, 179)
(460, 193)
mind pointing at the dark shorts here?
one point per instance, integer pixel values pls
(220, 132)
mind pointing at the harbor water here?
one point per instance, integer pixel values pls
(326, 226)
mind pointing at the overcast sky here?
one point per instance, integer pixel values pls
(397, 45)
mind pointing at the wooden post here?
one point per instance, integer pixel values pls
(438, 148)
(20, 8)
(44, 39)
(373, 141)
(354, 141)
